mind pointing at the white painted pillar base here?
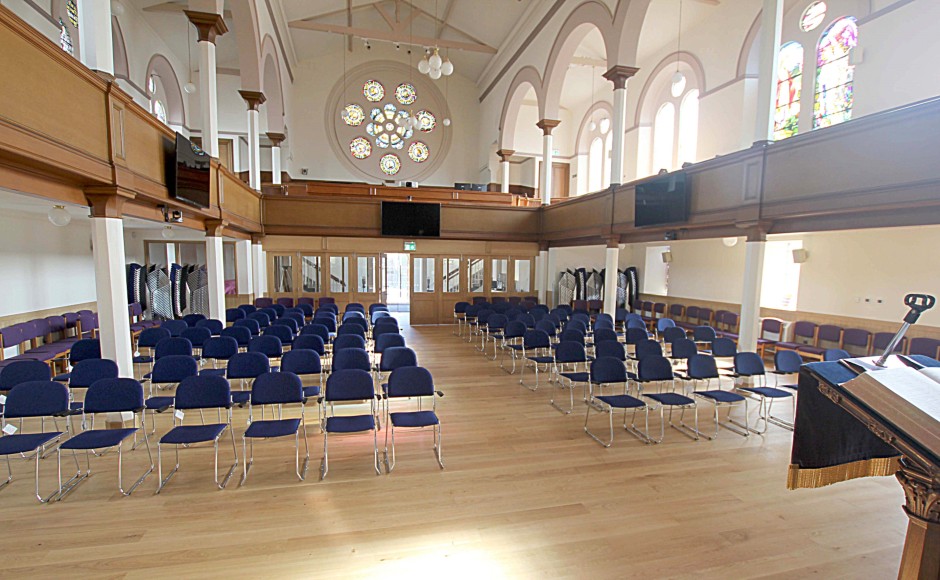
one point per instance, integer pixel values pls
(243, 270)
(264, 271)
(258, 267)
(94, 35)
(771, 20)
(610, 279)
(618, 126)
(504, 176)
(546, 179)
(750, 296)
(208, 98)
(216, 272)
(276, 165)
(254, 149)
(111, 289)
(541, 263)
(550, 278)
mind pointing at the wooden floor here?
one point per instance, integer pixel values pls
(526, 494)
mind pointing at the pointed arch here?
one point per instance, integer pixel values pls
(119, 49)
(585, 136)
(628, 21)
(169, 83)
(526, 78)
(271, 86)
(245, 15)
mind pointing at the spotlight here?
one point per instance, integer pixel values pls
(59, 216)
(397, 46)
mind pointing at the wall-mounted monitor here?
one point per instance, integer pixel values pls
(188, 172)
(662, 200)
(411, 220)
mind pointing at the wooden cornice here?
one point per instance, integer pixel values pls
(505, 154)
(209, 25)
(619, 75)
(546, 125)
(215, 228)
(253, 99)
(107, 201)
(276, 138)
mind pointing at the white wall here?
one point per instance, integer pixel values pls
(43, 266)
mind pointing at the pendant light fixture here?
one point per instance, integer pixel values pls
(59, 216)
(432, 64)
(678, 79)
(189, 87)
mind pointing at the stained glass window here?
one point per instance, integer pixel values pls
(813, 16)
(373, 91)
(418, 151)
(405, 93)
(65, 39)
(427, 121)
(360, 148)
(353, 115)
(834, 73)
(789, 86)
(72, 9)
(390, 164)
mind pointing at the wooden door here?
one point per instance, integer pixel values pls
(339, 284)
(311, 276)
(561, 178)
(425, 294)
(367, 276)
(227, 154)
(282, 282)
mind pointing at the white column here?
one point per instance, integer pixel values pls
(771, 24)
(546, 177)
(216, 272)
(111, 290)
(504, 155)
(254, 149)
(264, 271)
(208, 98)
(257, 270)
(610, 278)
(543, 276)
(243, 269)
(276, 164)
(618, 126)
(750, 296)
(94, 35)
(550, 277)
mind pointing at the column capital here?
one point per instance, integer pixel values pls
(209, 25)
(613, 242)
(214, 228)
(253, 99)
(620, 74)
(256, 239)
(107, 201)
(505, 154)
(276, 138)
(543, 246)
(546, 125)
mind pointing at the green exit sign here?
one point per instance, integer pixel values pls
(411, 246)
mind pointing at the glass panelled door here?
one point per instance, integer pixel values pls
(311, 276)
(425, 297)
(476, 277)
(367, 280)
(340, 284)
(282, 282)
(395, 275)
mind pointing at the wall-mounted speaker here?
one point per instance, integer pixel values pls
(800, 255)
(667, 257)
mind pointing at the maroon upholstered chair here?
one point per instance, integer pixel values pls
(881, 340)
(856, 341)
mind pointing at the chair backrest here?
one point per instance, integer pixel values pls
(346, 341)
(349, 385)
(309, 342)
(196, 336)
(787, 361)
(724, 347)
(173, 368)
(704, 334)
(251, 324)
(377, 306)
(192, 319)
(702, 366)
(262, 318)
(771, 329)
(654, 368)
(150, 337)
(804, 331)
(355, 321)
(924, 346)
(289, 322)
(176, 345)
(352, 358)
(608, 370)
(350, 328)
(301, 361)
(281, 388)
(673, 334)
(305, 308)
(605, 335)
(410, 382)
(247, 365)
(748, 364)
(329, 323)
(396, 357)
(691, 314)
(829, 333)
(636, 335)
(278, 309)
(241, 335)
(282, 333)
(268, 345)
(527, 319)
(221, 347)
(203, 392)
(271, 312)
(684, 348)
(546, 326)
(264, 302)
(355, 306)
(86, 372)
(496, 322)
(326, 300)
(834, 354)
(316, 329)
(881, 340)
(36, 399)
(285, 301)
(174, 326)
(663, 323)
(215, 326)
(379, 331)
(856, 339)
(388, 340)
(610, 348)
(570, 334)
(23, 371)
(515, 329)
(378, 315)
(114, 395)
(647, 348)
(233, 314)
(248, 308)
(85, 349)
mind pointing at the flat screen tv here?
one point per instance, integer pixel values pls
(411, 220)
(664, 199)
(187, 172)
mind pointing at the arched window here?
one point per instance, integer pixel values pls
(834, 73)
(688, 128)
(789, 86)
(664, 128)
(157, 107)
(608, 156)
(596, 165)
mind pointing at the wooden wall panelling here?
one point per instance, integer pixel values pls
(580, 218)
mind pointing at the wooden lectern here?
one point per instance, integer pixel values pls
(899, 410)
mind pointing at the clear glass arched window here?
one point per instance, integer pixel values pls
(596, 165)
(688, 128)
(664, 128)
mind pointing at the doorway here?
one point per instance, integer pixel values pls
(396, 282)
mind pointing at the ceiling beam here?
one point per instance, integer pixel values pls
(391, 36)
(443, 22)
(438, 21)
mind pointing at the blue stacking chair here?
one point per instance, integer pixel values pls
(107, 395)
(252, 325)
(261, 318)
(271, 313)
(248, 308)
(328, 322)
(647, 348)
(460, 308)
(192, 319)
(382, 329)
(724, 348)
(218, 348)
(283, 388)
(609, 371)
(834, 354)
(512, 343)
(662, 324)
(789, 362)
(605, 335)
(309, 342)
(378, 315)
(306, 309)
(536, 349)
(32, 399)
(351, 358)
(283, 334)
(148, 339)
(199, 393)
(167, 371)
(704, 334)
(241, 335)
(318, 330)
(246, 366)
(215, 326)
(682, 349)
(233, 314)
(547, 326)
(288, 323)
(304, 363)
(412, 382)
(268, 345)
(175, 346)
(495, 331)
(175, 327)
(344, 386)
(84, 349)
(569, 355)
(703, 367)
(197, 337)
(749, 365)
(672, 333)
(348, 328)
(86, 372)
(657, 370)
(22, 371)
(345, 341)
